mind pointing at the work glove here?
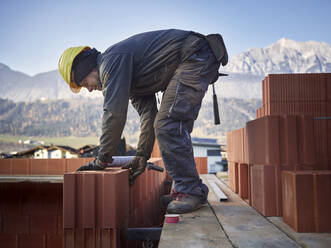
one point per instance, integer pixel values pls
(96, 164)
(137, 166)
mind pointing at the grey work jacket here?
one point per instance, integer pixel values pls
(136, 68)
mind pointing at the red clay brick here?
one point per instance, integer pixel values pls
(321, 140)
(5, 166)
(69, 238)
(45, 224)
(118, 183)
(237, 147)
(20, 166)
(307, 141)
(39, 166)
(110, 198)
(264, 190)
(108, 195)
(60, 224)
(243, 180)
(89, 237)
(31, 240)
(56, 166)
(306, 200)
(72, 164)
(8, 240)
(263, 140)
(233, 176)
(288, 141)
(69, 200)
(289, 195)
(41, 199)
(322, 200)
(55, 241)
(230, 146)
(89, 199)
(15, 224)
(10, 203)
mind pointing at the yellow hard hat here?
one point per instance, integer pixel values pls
(65, 64)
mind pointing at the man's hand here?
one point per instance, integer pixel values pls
(137, 166)
(96, 164)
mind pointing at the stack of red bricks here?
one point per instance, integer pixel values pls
(31, 215)
(290, 140)
(98, 206)
(295, 94)
(26, 166)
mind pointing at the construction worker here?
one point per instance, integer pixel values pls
(179, 63)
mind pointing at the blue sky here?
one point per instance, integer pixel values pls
(34, 33)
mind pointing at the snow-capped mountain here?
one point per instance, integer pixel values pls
(246, 71)
(284, 56)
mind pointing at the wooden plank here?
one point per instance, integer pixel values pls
(212, 197)
(244, 226)
(197, 229)
(220, 195)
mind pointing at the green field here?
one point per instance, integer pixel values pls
(75, 142)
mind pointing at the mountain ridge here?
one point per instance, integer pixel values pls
(246, 71)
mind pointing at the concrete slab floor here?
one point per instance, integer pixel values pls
(235, 224)
(307, 240)
(243, 225)
(197, 229)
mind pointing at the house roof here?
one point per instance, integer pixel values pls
(32, 150)
(48, 148)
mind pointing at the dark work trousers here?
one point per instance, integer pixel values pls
(179, 109)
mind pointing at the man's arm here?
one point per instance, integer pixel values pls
(147, 110)
(115, 73)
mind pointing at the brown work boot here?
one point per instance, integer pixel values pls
(166, 199)
(184, 203)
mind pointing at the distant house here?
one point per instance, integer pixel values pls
(49, 152)
(59, 151)
(62, 152)
(205, 147)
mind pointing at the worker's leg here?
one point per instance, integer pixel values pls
(174, 122)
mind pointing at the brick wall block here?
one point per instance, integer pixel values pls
(31, 241)
(46, 224)
(5, 166)
(265, 189)
(306, 200)
(56, 166)
(41, 199)
(263, 140)
(55, 241)
(8, 240)
(39, 166)
(101, 195)
(322, 201)
(233, 176)
(244, 187)
(15, 224)
(20, 166)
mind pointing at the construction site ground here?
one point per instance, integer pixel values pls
(233, 223)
